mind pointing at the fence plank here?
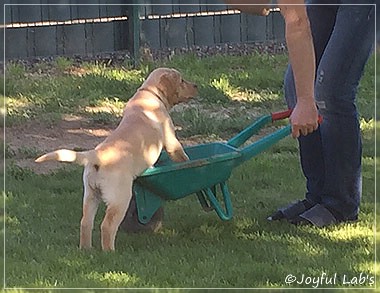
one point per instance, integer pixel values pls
(116, 10)
(164, 7)
(103, 37)
(45, 41)
(60, 39)
(163, 33)
(88, 11)
(30, 13)
(190, 41)
(59, 12)
(150, 33)
(278, 26)
(30, 41)
(15, 43)
(89, 39)
(176, 32)
(204, 30)
(193, 8)
(256, 28)
(217, 29)
(176, 6)
(74, 36)
(45, 10)
(15, 13)
(217, 6)
(145, 8)
(230, 28)
(121, 35)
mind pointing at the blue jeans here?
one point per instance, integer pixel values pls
(343, 38)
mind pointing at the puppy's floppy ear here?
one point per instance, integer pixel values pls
(168, 85)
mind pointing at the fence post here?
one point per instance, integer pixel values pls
(134, 31)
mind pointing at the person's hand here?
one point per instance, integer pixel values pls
(304, 118)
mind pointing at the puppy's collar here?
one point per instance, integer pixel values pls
(156, 95)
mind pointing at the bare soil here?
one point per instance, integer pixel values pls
(72, 132)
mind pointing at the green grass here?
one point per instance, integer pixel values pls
(194, 249)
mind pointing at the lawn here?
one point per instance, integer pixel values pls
(194, 249)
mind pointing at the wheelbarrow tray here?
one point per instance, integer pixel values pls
(209, 165)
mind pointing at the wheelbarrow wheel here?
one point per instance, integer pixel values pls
(131, 223)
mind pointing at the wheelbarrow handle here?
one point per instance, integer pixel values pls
(265, 142)
(252, 129)
(286, 114)
(281, 115)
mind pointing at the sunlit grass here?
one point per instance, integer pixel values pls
(111, 106)
(223, 84)
(119, 74)
(351, 232)
(367, 125)
(20, 106)
(118, 279)
(235, 93)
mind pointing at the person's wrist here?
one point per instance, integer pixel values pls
(306, 100)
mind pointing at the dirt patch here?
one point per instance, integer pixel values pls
(72, 132)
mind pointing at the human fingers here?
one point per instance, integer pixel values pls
(296, 131)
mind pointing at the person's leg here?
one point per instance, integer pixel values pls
(338, 76)
(336, 146)
(322, 20)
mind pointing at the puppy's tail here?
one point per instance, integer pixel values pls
(81, 158)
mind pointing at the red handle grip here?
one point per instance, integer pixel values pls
(286, 114)
(281, 115)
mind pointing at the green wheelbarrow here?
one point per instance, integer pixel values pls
(205, 175)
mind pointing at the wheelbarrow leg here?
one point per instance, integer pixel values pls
(214, 204)
(204, 203)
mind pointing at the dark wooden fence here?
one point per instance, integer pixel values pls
(64, 27)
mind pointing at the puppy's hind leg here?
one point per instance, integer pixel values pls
(118, 199)
(90, 206)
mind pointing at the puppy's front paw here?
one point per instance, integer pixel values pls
(185, 157)
(179, 156)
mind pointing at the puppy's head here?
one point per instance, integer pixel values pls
(171, 86)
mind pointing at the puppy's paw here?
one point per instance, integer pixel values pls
(179, 156)
(85, 247)
(184, 157)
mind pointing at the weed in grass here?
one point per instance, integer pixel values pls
(15, 70)
(8, 151)
(27, 152)
(62, 64)
(196, 122)
(18, 173)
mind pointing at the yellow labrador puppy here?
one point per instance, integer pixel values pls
(134, 146)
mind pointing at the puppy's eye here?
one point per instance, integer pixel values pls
(182, 81)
